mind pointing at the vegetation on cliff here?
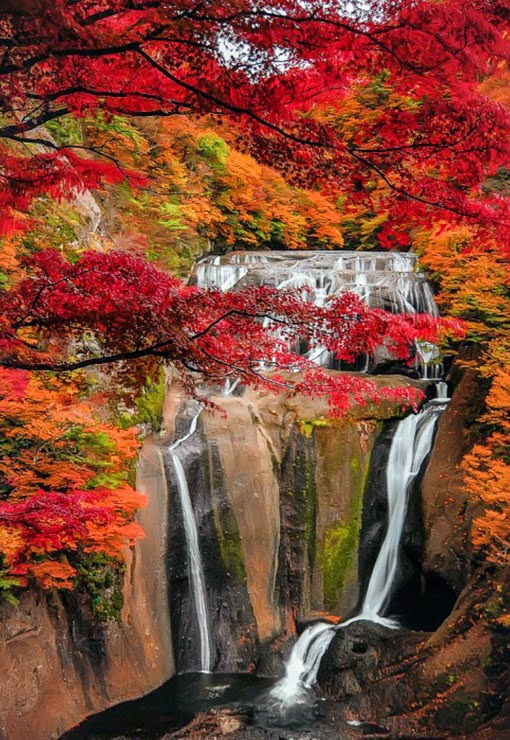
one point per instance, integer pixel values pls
(171, 130)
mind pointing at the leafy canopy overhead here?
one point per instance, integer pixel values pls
(387, 106)
(282, 69)
(130, 310)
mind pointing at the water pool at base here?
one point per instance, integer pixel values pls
(172, 706)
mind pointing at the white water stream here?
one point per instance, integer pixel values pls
(381, 279)
(410, 446)
(387, 280)
(196, 567)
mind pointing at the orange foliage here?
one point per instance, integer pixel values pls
(63, 480)
(473, 282)
(204, 192)
(488, 473)
(64, 445)
(52, 574)
(473, 277)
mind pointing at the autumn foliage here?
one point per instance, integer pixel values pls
(132, 310)
(63, 481)
(474, 285)
(488, 474)
(286, 76)
(203, 191)
(373, 125)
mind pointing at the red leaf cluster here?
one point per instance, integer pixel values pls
(130, 309)
(50, 523)
(282, 71)
(62, 480)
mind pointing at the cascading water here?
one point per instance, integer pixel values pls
(410, 447)
(385, 280)
(196, 567)
(382, 279)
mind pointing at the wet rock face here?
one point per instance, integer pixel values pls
(277, 492)
(298, 503)
(229, 611)
(446, 503)
(358, 658)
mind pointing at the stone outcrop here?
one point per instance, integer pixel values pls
(277, 488)
(449, 684)
(444, 495)
(452, 682)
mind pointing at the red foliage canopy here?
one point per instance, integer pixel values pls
(130, 310)
(272, 66)
(50, 522)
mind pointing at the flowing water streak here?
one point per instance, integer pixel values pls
(410, 446)
(441, 392)
(299, 661)
(230, 386)
(194, 555)
(381, 280)
(303, 664)
(192, 541)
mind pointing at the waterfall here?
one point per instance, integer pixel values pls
(386, 280)
(382, 280)
(194, 556)
(196, 567)
(410, 447)
(441, 392)
(305, 654)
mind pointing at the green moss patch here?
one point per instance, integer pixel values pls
(229, 542)
(341, 541)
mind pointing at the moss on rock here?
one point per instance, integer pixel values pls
(230, 545)
(341, 540)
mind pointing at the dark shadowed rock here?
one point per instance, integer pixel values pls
(359, 656)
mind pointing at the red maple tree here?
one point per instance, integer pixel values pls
(274, 67)
(284, 72)
(132, 310)
(281, 71)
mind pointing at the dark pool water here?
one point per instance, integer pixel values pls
(171, 706)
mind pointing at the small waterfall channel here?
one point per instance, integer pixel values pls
(194, 555)
(410, 447)
(196, 568)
